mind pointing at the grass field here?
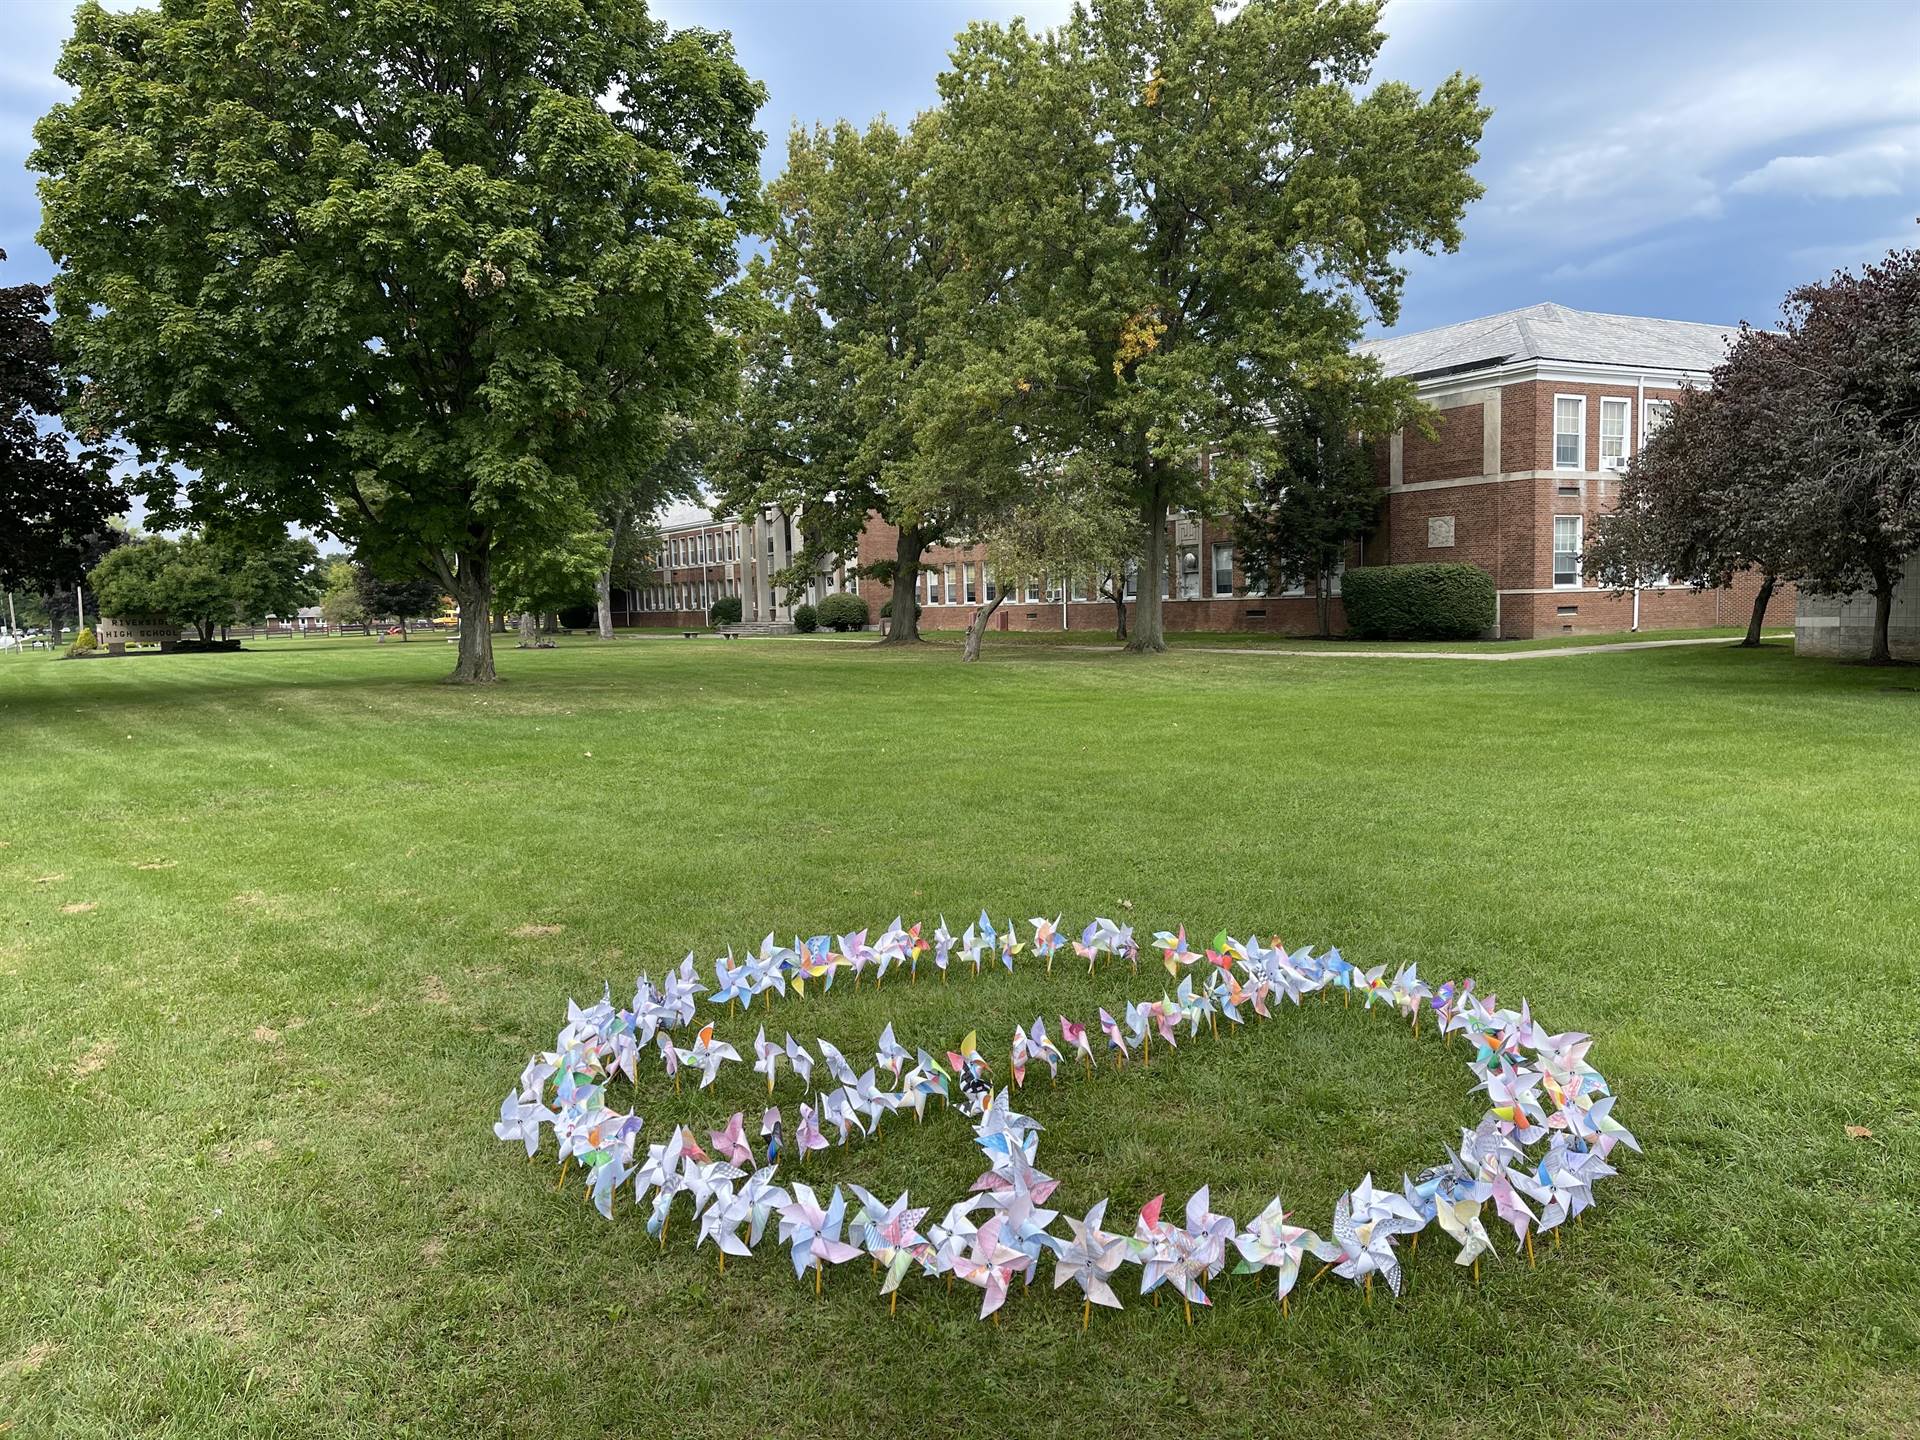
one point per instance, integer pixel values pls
(278, 929)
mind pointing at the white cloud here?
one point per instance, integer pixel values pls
(1879, 167)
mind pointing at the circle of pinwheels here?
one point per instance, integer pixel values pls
(1534, 1156)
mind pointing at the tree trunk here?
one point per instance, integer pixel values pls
(1882, 653)
(402, 623)
(977, 627)
(903, 626)
(473, 593)
(1759, 616)
(1149, 638)
(603, 603)
(1323, 603)
(1118, 594)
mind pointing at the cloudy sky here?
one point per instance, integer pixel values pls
(1688, 160)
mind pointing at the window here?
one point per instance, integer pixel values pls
(1033, 592)
(972, 588)
(1223, 569)
(1613, 433)
(1079, 591)
(1188, 557)
(1133, 578)
(1566, 551)
(1569, 432)
(947, 579)
(1654, 416)
(986, 576)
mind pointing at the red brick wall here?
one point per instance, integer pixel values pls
(1599, 611)
(1454, 452)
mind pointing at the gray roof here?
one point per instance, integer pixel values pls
(1553, 332)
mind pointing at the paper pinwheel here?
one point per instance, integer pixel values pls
(1270, 1243)
(1087, 1258)
(812, 1234)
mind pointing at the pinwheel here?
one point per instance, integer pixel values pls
(770, 1133)
(1017, 1064)
(1039, 1047)
(605, 1177)
(807, 1134)
(835, 1062)
(766, 1057)
(521, 1119)
(1046, 939)
(707, 1055)
(1410, 993)
(721, 1224)
(1116, 1040)
(857, 954)
(1076, 1036)
(814, 960)
(761, 1199)
(731, 983)
(1010, 947)
(669, 1057)
(942, 948)
(731, 1142)
(892, 1237)
(1092, 943)
(866, 1096)
(812, 1234)
(976, 941)
(706, 1183)
(1269, 1243)
(1184, 1257)
(801, 1061)
(1088, 1257)
(890, 1056)
(1453, 1198)
(1565, 1178)
(1025, 1223)
(1174, 950)
(988, 1264)
(924, 1081)
(1365, 1222)
(840, 1109)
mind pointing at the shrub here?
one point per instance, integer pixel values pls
(724, 611)
(886, 610)
(580, 617)
(83, 643)
(805, 620)
(843, 612)
(1418, 602)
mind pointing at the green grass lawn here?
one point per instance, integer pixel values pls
(278, 929)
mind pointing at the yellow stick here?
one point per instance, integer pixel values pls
(893, 1303)
(1086, 1311)
(816, 1277)
(1283, 1305)
(1189, 1305)
(1529, 1250)
(1369, 1289)
(723, 1262)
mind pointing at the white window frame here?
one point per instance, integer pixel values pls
(970, 584)
(1214, 556)
(1647, 411)
(1580, 453)
(1625, 405)
(1579, 541)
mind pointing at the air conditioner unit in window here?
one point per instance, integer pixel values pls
(1613, 462)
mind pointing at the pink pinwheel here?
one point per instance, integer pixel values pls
(812, 1234)
(731, 1142)
(1075, 1036)
(989, 1264)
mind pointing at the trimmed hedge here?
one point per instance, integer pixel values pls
(805, 620)
(724, 611)
(1418, 602)
(842, 612)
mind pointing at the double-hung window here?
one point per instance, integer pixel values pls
(1569, 432)
(1223, 570)
(1613, 433)
(1566, 552)
(972, 595)
(1654, 416)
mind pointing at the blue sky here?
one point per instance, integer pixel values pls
(1683, 160)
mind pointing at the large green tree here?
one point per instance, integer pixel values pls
(56, 499)
(429, 276)
(849, 405)
(1315, 495)
(1183, 213)
(208, 581)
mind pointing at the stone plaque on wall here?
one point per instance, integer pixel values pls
(1439, 532)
